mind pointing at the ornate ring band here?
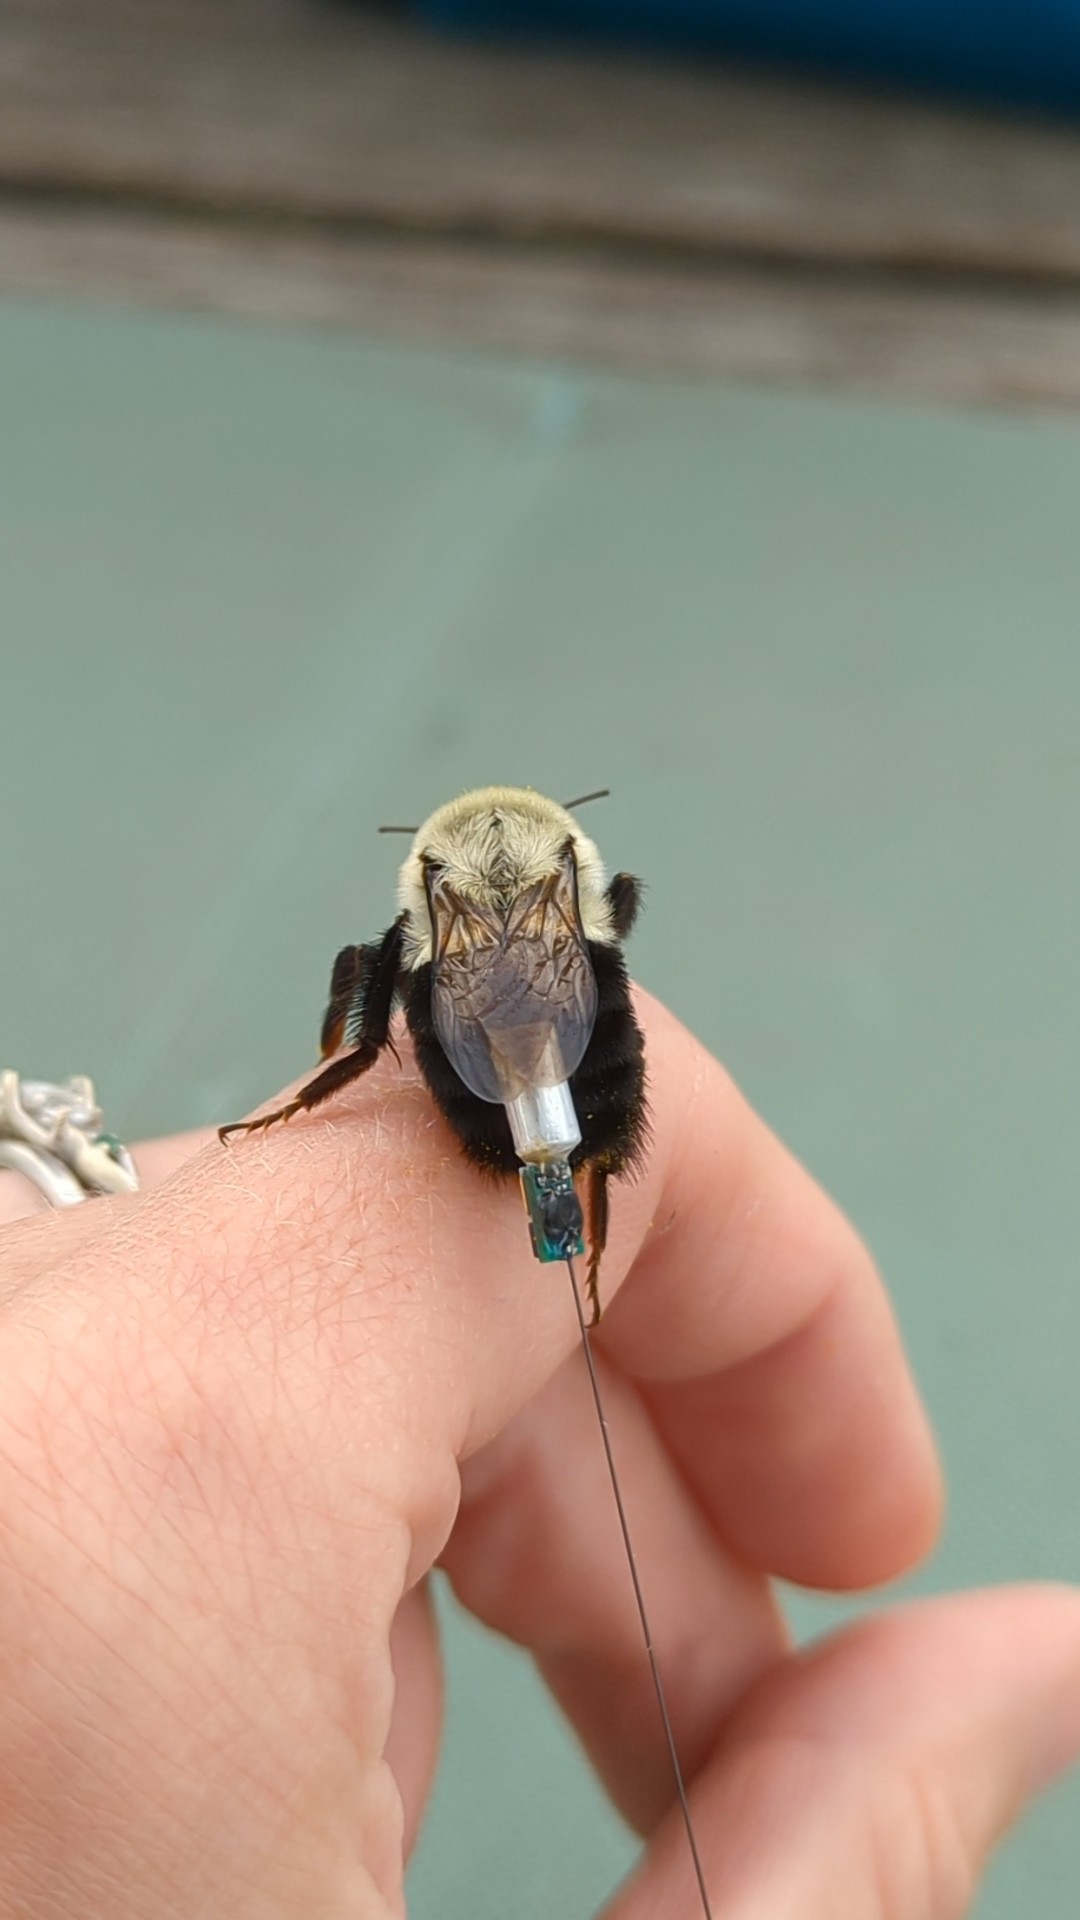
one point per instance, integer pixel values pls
(54, 1136)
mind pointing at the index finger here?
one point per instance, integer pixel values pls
(770, 1355)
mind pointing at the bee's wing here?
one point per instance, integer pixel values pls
(514, 994)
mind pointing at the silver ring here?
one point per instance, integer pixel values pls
(55, 1137)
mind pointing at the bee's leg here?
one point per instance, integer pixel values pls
(596, 1227)
(624, 899)
(372, 974)
(343, 984)
(337, 1074)
(608, 1089)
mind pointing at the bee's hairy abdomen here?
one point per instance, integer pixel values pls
(608, 1088)
(482, 1129)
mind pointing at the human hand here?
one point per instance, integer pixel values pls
(234, 1413)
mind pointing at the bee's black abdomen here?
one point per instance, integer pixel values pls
(482, 1128)
(608, 1088)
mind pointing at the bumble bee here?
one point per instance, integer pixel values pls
(505, 954)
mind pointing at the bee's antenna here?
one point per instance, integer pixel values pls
(399, 829)
(602, 793)
(680, 1785)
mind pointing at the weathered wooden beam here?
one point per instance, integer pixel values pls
(952, 342)
(296, 158)
(355, 112)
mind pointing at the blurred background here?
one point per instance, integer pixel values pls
(677, 399)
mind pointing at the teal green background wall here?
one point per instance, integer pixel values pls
(263, 590)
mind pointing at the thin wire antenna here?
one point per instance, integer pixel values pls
(399, 829)
(602, 793)
(680, 1785)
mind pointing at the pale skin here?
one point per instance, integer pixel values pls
(245, 1412)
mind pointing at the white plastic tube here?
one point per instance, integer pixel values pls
(543, 1123)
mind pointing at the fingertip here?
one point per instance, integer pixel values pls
(987, 1681)
(886, 1761)
(894, 1484)
(1051, 1627)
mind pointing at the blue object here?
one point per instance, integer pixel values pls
(553, 1210)
(1019, 50)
